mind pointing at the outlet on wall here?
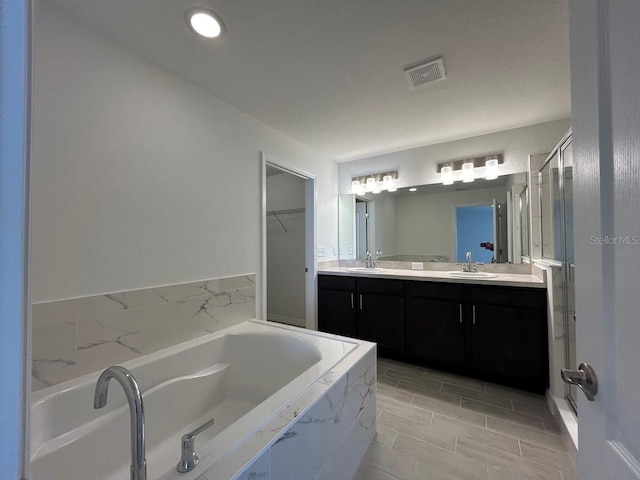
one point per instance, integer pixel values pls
(417, 266)
(321, 252)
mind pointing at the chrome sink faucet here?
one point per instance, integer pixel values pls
(136, 414)
(368, 262)
(469, 266)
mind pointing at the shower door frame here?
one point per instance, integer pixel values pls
(566, 267)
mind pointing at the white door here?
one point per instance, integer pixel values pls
(605, 85)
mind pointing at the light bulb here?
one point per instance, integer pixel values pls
(371, 182)
(355, 186)
(491, 169)
(204, 22)
(467, 172)
(447, 175)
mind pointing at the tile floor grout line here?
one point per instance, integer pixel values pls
(536, 417)
(520, 448)
(394, 440)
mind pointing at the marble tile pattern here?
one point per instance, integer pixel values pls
(436, 425)
(322, 434)
(77, 336)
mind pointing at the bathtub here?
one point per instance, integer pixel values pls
(242, 377)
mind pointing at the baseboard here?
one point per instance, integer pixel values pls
(568, 423)
(296, 322)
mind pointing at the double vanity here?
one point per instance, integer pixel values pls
(491, 326)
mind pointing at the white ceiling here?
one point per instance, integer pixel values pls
(328, 73)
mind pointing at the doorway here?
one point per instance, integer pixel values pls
(362, 225)
(287, 280)
(475, 233)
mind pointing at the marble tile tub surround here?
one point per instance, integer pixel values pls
(73, 337)
(321, 435)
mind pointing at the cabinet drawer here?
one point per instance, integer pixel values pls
(386, 287)
(511, 296)
(438, 290)
(336, 282)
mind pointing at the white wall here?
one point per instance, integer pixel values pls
(140, 178)
(285, 250)
(426, 223)
(418, 166)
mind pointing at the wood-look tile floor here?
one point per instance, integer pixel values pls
(435, 425)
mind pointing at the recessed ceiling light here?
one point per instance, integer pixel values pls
(204, 22)
(413, 189)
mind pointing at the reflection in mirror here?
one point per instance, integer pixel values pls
(421, 226)
(346, 226)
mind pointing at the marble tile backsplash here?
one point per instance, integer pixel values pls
(74, 337)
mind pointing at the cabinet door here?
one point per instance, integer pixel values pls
(337, 312)
(435, 332)
(509, 344)
(381, 320)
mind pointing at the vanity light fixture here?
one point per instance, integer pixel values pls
(447, 175)
(374, 183)
(456, 170)
(491, 169)
(204, 22)
(467, 172)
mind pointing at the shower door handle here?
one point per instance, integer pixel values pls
(584, 378)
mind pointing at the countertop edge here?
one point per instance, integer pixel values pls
(529, 281)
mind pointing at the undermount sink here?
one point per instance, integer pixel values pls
(365, 269)
(458, 274)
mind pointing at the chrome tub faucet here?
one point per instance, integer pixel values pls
(136, 414)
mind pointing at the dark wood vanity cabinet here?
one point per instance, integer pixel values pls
(336, 305)
(508, 335)
(435, 331)
(370, 309)
(380, 316)
(491, 332)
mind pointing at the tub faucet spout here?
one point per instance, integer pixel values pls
(136, 414)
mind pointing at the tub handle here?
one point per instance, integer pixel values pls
(188, 458)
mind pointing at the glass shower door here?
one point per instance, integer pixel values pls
(569, 266)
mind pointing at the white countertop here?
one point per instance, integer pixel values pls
(502, 279)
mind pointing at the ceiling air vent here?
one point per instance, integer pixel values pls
(423, 73)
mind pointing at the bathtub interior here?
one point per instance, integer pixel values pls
(226, 377)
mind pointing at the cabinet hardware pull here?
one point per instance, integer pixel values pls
(460, 311)
(352, 300)
(360, 301)
(474, 314)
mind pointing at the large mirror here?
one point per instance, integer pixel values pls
(439, 223)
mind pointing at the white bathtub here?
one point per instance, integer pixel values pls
(241, 377)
